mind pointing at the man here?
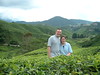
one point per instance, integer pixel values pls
(54, 43)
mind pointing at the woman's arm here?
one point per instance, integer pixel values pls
(69, 50)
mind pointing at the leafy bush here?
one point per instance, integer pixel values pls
(14, 43)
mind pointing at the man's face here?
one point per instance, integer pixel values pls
(58, 32)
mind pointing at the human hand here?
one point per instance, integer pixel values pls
(68, 54)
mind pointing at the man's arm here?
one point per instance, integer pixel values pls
(49, 51)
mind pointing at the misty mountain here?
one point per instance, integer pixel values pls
(58, 21)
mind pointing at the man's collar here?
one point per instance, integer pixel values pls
(57, 36)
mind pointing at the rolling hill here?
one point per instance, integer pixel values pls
(86, 29)
(58, 21)
(20, 33)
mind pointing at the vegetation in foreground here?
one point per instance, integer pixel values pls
(82, 61)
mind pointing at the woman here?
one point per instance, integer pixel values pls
(65, 47)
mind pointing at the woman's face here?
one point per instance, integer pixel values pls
(63, 40)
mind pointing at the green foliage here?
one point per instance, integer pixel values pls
(87, 30)
(4, 35)
(94, 41)
(37, 63)
(15, 61)
(75, 35)
(90, 30)
(13, 33)
(14, 43)
(7, 52)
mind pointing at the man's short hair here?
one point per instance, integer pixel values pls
(59, 29)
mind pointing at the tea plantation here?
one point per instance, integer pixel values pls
(83, 61)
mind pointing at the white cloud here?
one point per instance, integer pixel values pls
(24, 4)
(71, 9)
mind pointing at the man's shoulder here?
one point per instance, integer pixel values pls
(52, 36)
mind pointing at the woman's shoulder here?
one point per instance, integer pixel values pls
(67, 43)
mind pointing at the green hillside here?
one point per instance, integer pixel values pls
(28, 55)
(19, 33)
(92, 29)
(58, 21)
(88, 30)
(94, 41)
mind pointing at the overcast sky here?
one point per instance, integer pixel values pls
(39, 10)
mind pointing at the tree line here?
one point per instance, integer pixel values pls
(75, 35)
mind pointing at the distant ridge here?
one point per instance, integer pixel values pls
(58, 21)
(7, 20)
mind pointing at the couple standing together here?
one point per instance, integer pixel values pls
(57, 45)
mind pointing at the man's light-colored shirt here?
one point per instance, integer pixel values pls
(54, 43)
(65, 49)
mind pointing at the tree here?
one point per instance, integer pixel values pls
(27, 38)
(14, 42)
(4, 36)
(74, 35)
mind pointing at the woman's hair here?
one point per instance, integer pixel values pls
(62, 37)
